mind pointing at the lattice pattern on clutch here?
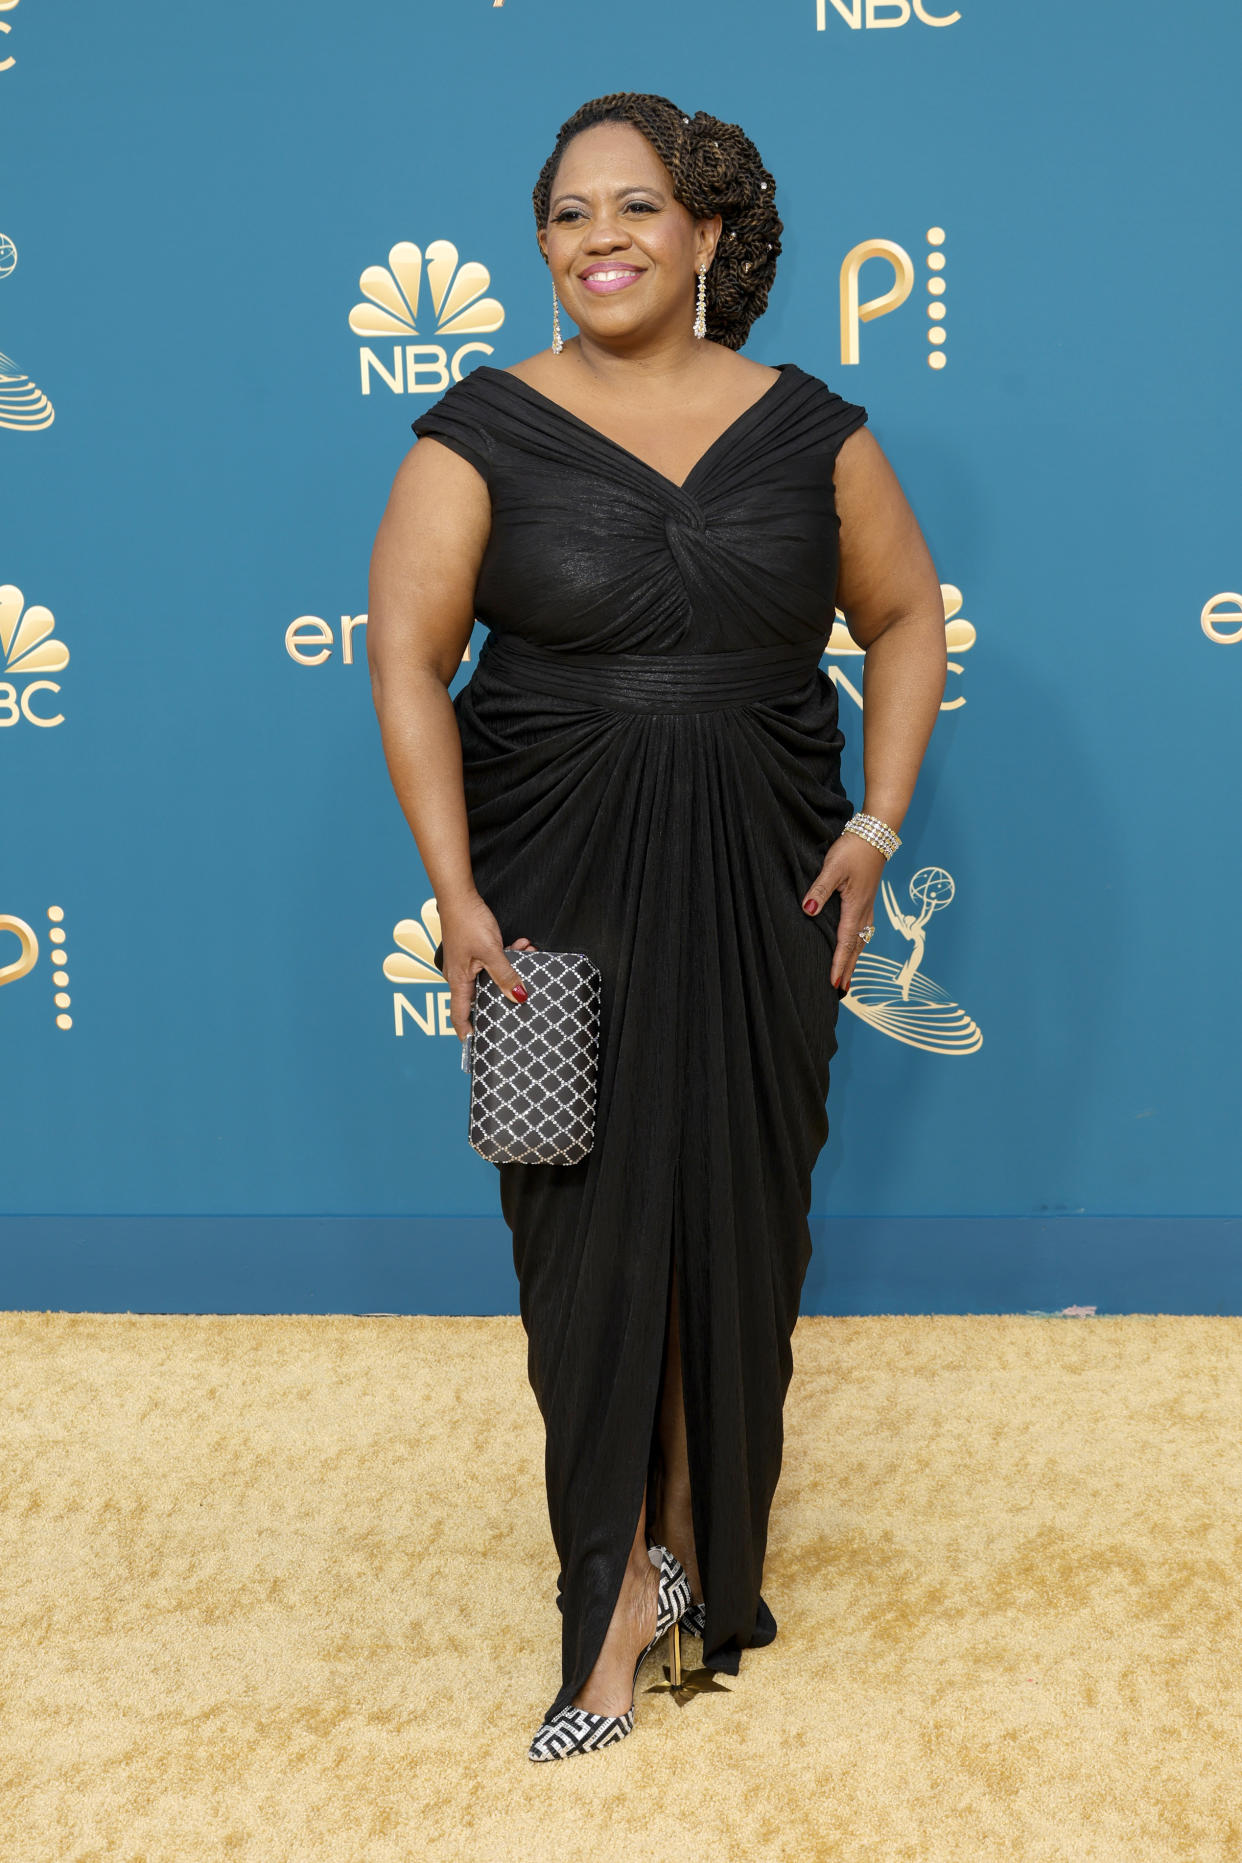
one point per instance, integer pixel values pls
(533, 1065)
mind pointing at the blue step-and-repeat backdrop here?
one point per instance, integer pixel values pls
(228, 1081)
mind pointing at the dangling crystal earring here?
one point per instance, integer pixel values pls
(557, 344)
(700, 308)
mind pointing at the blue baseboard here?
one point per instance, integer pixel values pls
(464, 1264)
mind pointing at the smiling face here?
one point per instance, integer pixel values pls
(622, 252)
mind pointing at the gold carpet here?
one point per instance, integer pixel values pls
(282, 1590)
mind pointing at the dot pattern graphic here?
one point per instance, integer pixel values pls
(936, 335)
(60, 976)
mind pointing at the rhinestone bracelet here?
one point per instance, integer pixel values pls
(871, 829)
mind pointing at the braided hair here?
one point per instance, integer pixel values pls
(716, 169)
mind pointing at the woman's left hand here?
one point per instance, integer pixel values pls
(852, 867)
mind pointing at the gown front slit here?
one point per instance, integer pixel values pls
(651, 762)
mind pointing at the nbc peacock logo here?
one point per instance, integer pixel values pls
(23, 407)
(960, 636)
(27, 650)
(420, 295)
(411, 968)
(898, 999)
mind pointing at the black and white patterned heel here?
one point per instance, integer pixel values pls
(576, 1730)
(694, 1619)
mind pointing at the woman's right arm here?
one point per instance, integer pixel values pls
(420, 613)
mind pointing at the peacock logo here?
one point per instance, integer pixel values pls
(23, 407)
(27, 956)
(27, 650)
(454, 305)
(959, 633)
(18, 963)
(411, 967)
(897, 998)
(856, 311)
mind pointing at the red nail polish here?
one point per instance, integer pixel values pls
(519, 990)
(810, 905)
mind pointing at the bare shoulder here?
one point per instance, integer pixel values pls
(862, 476)
(740, 377)
(532, 369)
(885, 566)
(868, 495)
(742, 367)
(435, 489)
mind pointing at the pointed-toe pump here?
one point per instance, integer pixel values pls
(576, 1730)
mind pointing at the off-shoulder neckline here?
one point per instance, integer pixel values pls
(789, 371)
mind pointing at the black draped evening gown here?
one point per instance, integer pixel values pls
(651, 759)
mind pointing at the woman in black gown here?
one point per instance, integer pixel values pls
(645, 765)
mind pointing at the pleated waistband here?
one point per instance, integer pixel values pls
(651, 681)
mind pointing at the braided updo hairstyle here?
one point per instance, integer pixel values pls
(715, 169)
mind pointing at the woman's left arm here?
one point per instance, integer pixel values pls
(889, 592)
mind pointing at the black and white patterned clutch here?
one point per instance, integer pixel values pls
(533, 1065)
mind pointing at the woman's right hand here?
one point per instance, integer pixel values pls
(472, 942)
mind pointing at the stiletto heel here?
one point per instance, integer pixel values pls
(576, 1730)
(674, 1654)
(681, 1683)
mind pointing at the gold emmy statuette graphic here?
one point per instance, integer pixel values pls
(897, 999)
(1220, 623)
(959, 633)
(27, 650)
(28, 951)
(411, 964)
(392, 309)
(23, 407)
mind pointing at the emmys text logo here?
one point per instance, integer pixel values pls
(452, 306)
(856, 311)
(27, 651)
(897, 998)
(960, 637)
(310, 641)
(1221, 619)
(23, 407)
(410, 968)
(313, 641)
(19, 962)
(861, 15)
